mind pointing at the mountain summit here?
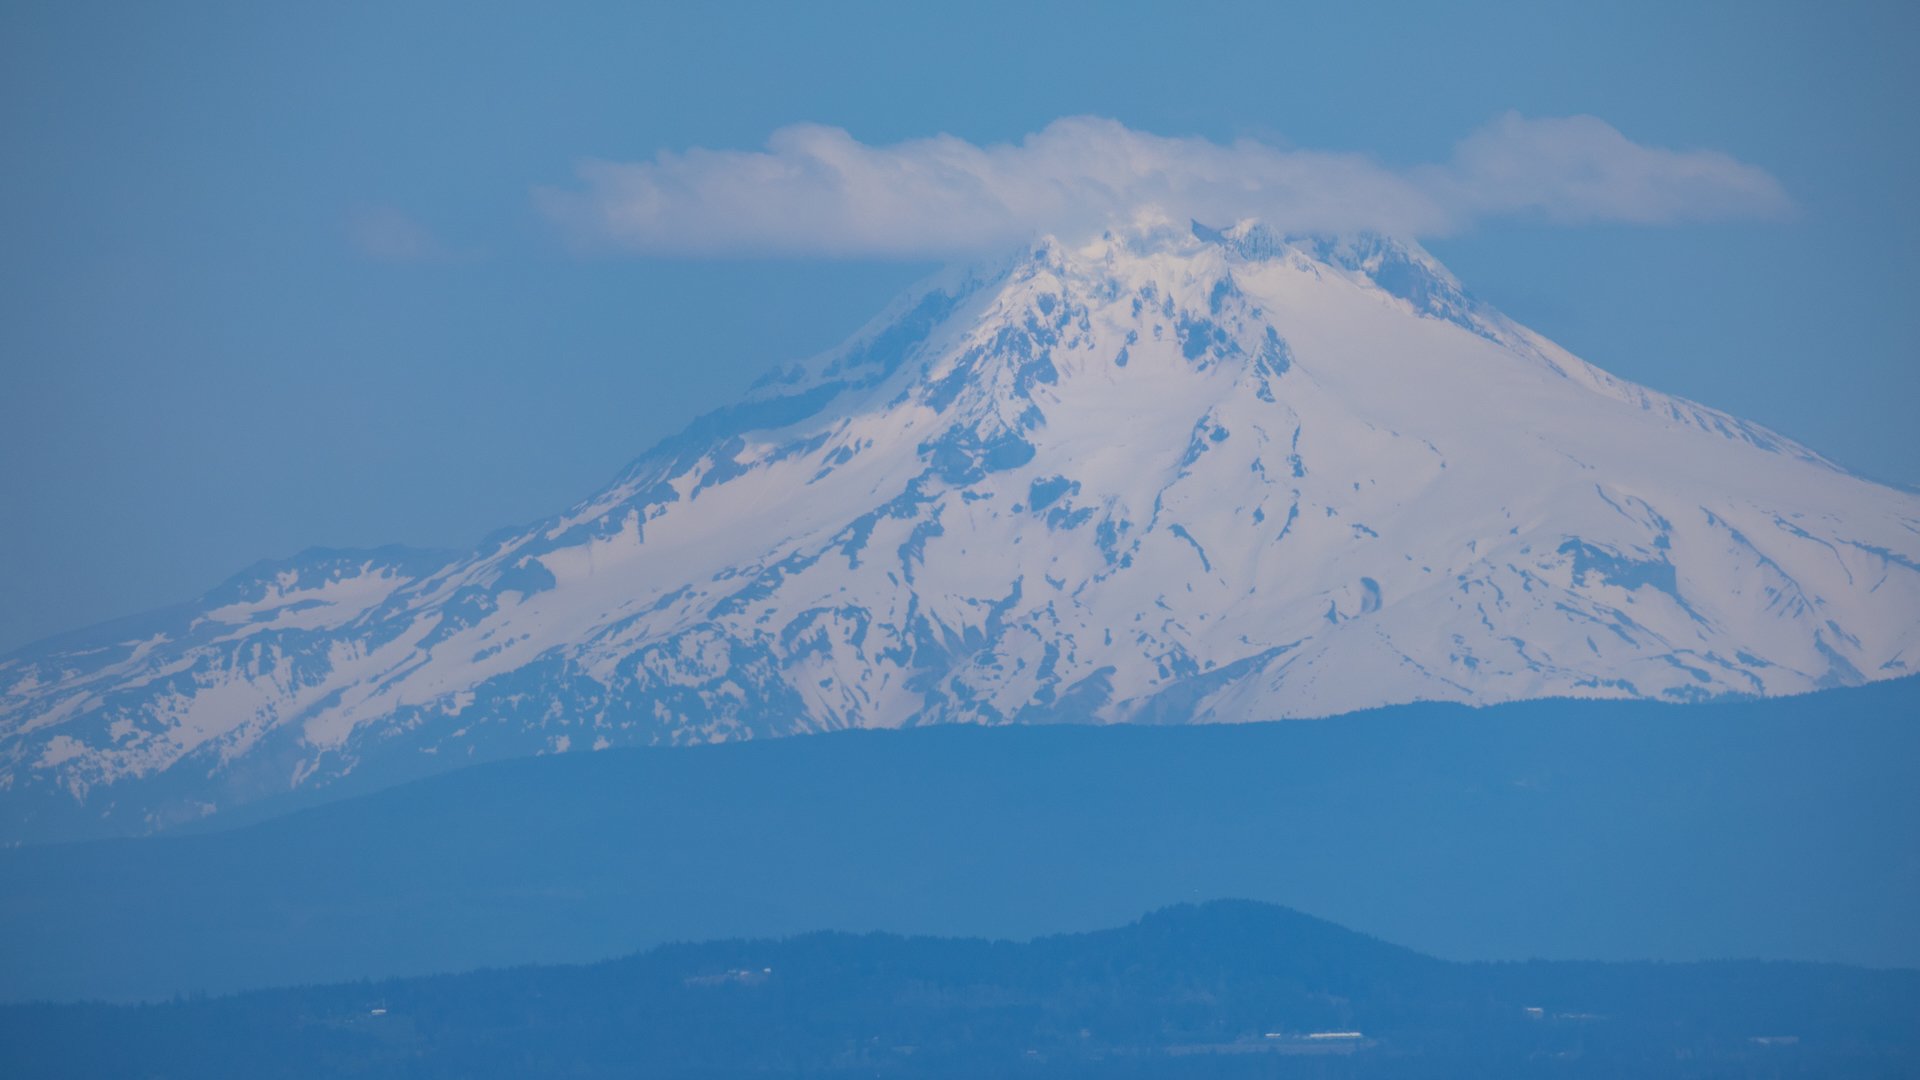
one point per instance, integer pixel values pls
(1167, 476)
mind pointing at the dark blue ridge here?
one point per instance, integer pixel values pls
(1605, 830)
(1222, 989)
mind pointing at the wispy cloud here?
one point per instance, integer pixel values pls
(1578, 169)
(387, 234)
(818, 191)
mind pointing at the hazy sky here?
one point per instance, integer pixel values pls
(277, 279)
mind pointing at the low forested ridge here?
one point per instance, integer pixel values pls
(1778, 829)
(1228, 988)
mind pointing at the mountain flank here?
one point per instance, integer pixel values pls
(1165, 476)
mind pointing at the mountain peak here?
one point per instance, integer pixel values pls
(1169, 475)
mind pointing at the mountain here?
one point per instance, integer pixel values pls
(1212, 990)
(1602, 830)
(1164, 476)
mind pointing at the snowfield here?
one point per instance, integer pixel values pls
(1166, 476)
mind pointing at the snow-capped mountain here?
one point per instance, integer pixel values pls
(1165, 476)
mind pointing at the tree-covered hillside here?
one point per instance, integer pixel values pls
(1224, 989)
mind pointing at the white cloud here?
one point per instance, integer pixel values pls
(1578, 169)
(817, 191)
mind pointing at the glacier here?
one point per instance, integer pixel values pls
(1165, 475)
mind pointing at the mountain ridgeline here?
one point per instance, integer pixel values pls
(1777, 828)
(1224, 989)
(1169, 476)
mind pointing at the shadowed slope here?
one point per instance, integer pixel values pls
(1612, 830)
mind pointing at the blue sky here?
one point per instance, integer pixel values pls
(273, 278)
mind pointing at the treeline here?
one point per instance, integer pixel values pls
(1227, 989)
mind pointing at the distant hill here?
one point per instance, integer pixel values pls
(1778, 828)
(1224, 989)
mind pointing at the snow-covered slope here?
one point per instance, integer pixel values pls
(1168, 476)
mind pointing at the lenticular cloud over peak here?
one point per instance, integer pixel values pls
(817, 190)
